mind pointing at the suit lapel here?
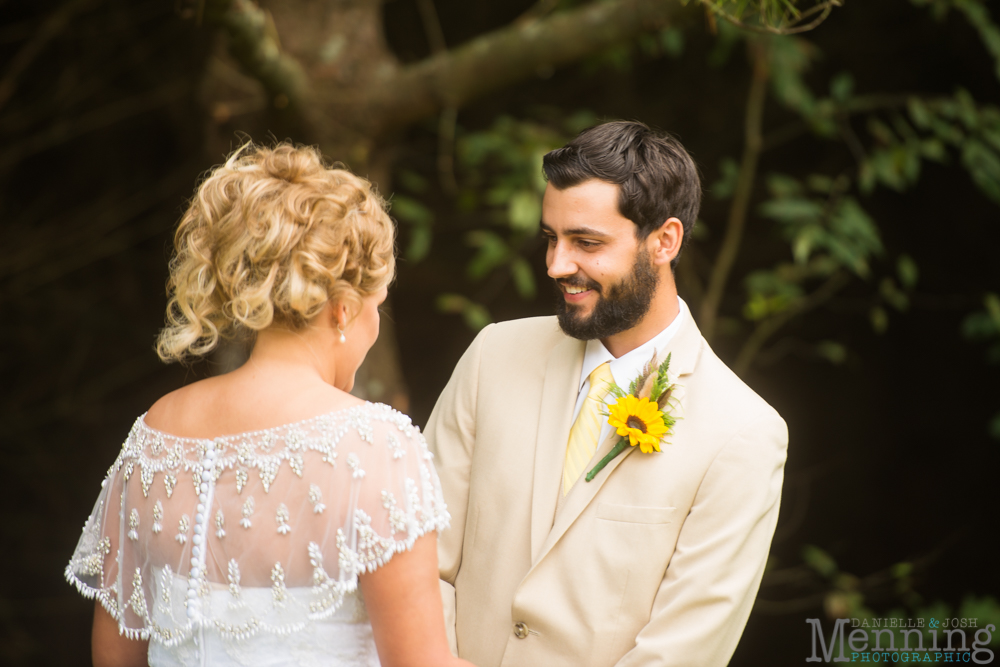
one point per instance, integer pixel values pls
(559, 393)
(685, 349)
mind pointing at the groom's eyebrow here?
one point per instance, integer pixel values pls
(575, 231)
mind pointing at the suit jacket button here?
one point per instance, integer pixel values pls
(521, 630)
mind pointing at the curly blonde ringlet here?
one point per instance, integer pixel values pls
(269, 238)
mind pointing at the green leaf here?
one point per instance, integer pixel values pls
(781, 186)
(492, 252)
(790, 59)
(992, 304)
(820, 183)
(524, 278)
(728, 37)
(412, 181)
(524, 211)
(985, 609)
(901, 570)
(450, 303)
(476, 315)
(410, 210)
(854, 236)
(420, 243)
(907, 271)
(881, 132)
(832, 351)
(933, 149)
(729, 173)
(879, 319)
(983, 164)
(842, 86)
(892, 295)
(805, 241)
(866, 177)
(920, 114)
(672, 41)
(995, 426)
(979, 326)
(819, 560)
(791, 210)
(967, 111)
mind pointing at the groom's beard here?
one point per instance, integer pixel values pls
(619, 307)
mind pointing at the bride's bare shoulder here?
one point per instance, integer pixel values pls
(224, 405)
(173, 410)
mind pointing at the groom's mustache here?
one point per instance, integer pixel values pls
(579, 281)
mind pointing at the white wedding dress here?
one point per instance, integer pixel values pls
(246, 549)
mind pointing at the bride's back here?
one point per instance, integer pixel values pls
(243, 508)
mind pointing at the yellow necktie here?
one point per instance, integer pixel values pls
(587, 427)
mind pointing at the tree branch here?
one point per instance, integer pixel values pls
(741, 195)
(432, 26)
(510, 54)
(254, 43)
(767, 328)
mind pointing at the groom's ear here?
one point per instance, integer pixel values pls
(664, 243)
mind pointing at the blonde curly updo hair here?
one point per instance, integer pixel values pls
(269, 238)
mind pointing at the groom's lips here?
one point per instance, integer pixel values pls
(575, 298)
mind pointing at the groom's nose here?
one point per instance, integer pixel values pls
(560, 262)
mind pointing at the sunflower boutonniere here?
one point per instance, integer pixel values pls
(640, 415)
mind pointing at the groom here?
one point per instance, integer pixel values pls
(657, 560)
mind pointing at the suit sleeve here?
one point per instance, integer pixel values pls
(451, 436)
(704, 600)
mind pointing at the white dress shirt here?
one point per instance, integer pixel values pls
(625, 368)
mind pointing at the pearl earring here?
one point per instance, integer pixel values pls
(343, 338)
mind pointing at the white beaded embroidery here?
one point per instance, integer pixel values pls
(304, 446)
(234, 578)
(278, 590)
(316, 498)
(138, 599)
(247, 512)
(355, 464)
(282, 519)
(157, 517)
(170, 481)
(182, 528)
(397, 449)
(220, 524)
(166, 585)
(241, 480)
(397, 517)
(133, 525)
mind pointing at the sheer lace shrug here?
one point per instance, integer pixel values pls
(184, 527)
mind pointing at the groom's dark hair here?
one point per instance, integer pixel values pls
(656, 177)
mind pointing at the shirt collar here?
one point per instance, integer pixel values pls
(625, 368)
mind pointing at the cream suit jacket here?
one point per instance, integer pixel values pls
(655, 562)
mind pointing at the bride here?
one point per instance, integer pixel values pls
(266, 516)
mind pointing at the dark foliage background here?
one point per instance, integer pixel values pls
(105, 133)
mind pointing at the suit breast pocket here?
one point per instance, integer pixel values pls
(634, 514)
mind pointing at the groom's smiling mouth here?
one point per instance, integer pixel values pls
(575, 292)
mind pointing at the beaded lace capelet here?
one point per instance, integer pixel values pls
(183, 527)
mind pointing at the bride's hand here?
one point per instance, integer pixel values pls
(403, 600)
